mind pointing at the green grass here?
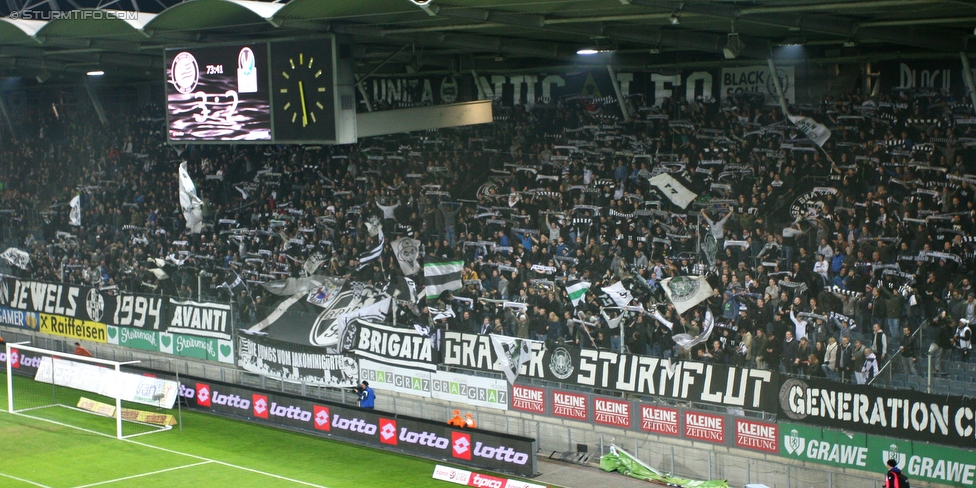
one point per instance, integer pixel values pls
(210, 451)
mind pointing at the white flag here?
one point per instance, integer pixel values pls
(190, 203)
(16, 257)
(673, 190)
(74, 218)
(512, 353)
(374, 313)
(686, 291)
(620, 295)
(686, 341)
(816, 131)
(407, 252)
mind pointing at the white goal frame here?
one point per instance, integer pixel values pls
(116, 365)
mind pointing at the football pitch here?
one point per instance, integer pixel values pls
(209, 451)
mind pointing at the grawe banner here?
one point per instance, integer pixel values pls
(295, 362)
(432, 439)
(895, 413)
(918, 460)
(84, 303)
(686, 381)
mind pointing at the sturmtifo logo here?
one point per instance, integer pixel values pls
(794, 443)
(561, 363)
(95, 305)
(892, 453)
(682, 288)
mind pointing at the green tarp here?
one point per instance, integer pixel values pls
(619, 460)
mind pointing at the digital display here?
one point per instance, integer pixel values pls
(218, 93)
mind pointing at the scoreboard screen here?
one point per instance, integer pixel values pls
(218, 93)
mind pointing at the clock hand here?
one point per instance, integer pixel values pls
(301, 91)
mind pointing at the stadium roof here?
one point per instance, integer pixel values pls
(125, 38)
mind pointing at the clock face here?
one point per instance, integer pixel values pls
(303, 90)
(303, 98)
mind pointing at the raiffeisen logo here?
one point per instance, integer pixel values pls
(500, 453)
(423, 438)
(203, 394)
(388, 431)
(260, 405)
(461, 445)
(321, 416)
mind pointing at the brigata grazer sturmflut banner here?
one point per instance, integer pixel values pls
(750, 389)
(894, 413)
(478, 448)
(295, 362)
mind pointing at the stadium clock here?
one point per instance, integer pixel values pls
(303, 88)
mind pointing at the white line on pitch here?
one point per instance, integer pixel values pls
(229, 465)
(144, 474)
(23, 480)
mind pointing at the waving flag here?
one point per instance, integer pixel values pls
(190, 203)
(816, 131)
(441, 277)
(686, 291)
(16, 257)
(407, 251)
(673, 190)
(74, 218)
(620, 295)
(512, 353)
(373, 254)
(686, 341)
(577, 291)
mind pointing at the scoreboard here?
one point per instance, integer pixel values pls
(282, 91)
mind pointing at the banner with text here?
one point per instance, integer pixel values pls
(456, 388)
(295, 362)
(750, 389)
(396, 346)
(432, 439)
(756, 79)
(894, 413)
(841, 449)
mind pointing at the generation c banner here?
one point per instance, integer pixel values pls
(607, 370)
(295, 362)
(418, 437)
(895, 413)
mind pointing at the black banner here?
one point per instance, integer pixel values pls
(751, 389)
(86, 303)
(395, 346)
(902, 414)
(295, 362)
(418, 437)
(939, 77)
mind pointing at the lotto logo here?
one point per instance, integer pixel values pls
(203, 394)
(321, 417)
(260, 405)
(461, 445)
(388, 431)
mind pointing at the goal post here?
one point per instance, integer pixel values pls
(87, 393)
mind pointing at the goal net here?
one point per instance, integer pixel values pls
(91, 394)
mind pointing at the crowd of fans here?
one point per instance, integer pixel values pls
(823, 261)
